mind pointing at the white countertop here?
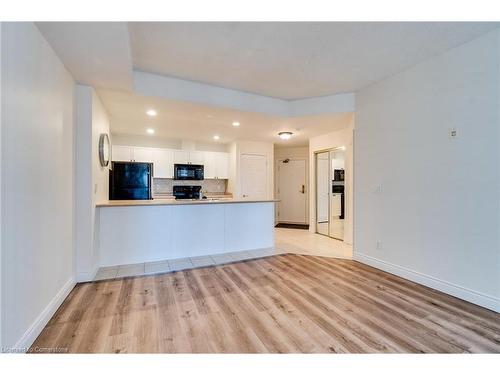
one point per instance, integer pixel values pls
(166, 202)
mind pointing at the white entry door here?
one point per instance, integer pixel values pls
(292, 191)
(253, 172)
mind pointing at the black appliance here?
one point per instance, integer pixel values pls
(130, 180)
(338, 174)
(188, 172)
(187, 192)
(338, 188)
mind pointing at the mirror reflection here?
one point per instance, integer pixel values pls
(330, 195)
(322, 192)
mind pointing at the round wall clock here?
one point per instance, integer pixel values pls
(104, 150)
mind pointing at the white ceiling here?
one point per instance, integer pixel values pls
(292, 60)
(274, 60)
(96, 53)
(183, 120)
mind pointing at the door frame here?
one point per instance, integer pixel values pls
(276, 178)
(316, 189)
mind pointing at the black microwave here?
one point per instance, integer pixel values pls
(188, 172)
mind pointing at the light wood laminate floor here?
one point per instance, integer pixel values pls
(280, 304)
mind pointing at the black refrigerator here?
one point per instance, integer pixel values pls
(130, 180)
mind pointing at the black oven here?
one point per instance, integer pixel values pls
(188, 172)
(187, 192)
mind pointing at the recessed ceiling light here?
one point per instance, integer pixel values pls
(150, 131)
(236, 123)
(216, 137)
(285, 135)
(151, 112)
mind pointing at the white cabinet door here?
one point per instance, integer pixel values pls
(222, 165)
(181, 157)
(196, 157)
(143, 154)
(253, 172)
(122, 153)
(210, 164)
(163, 161)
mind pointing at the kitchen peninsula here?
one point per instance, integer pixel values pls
(136, 231)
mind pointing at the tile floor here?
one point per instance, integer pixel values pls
(172, 265)
(296, 241)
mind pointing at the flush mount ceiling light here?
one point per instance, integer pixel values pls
(151, 112)
(150, 131)
(216, 137)
(236, 123)
(285, 135)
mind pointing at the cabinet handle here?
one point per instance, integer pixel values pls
(303, 190)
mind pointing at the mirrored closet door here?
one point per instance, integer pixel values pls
(330, 194)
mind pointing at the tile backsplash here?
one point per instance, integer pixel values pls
(165, 185)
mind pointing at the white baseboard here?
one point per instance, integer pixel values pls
(458, 291)
(41, 321)
(82, 277)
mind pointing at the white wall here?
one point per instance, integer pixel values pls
(37, 183)
(437, 215)
(92, 180)
(281, 153)
(334, 139)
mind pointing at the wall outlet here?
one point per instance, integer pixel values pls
(378, 245)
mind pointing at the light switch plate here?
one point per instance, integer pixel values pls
(453, 133)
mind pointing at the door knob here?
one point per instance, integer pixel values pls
(303, 190)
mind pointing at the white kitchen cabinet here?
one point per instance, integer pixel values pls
(216, 165)
(143, 154)
(122, 153)
(209, 162)
(196, 157)
(163, 160)
(188, 157)
(222, 165)
(181, 157)
(128, 153)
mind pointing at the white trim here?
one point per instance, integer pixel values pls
(83, 277)
(41, 321)
(478, 298)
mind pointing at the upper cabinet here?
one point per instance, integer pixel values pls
(222, 165)
(181, 157)
(143, 154)
(196, 157)
(216, 163)
(163, 163)
(122, 153)
(127, 153)
(188, 157)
